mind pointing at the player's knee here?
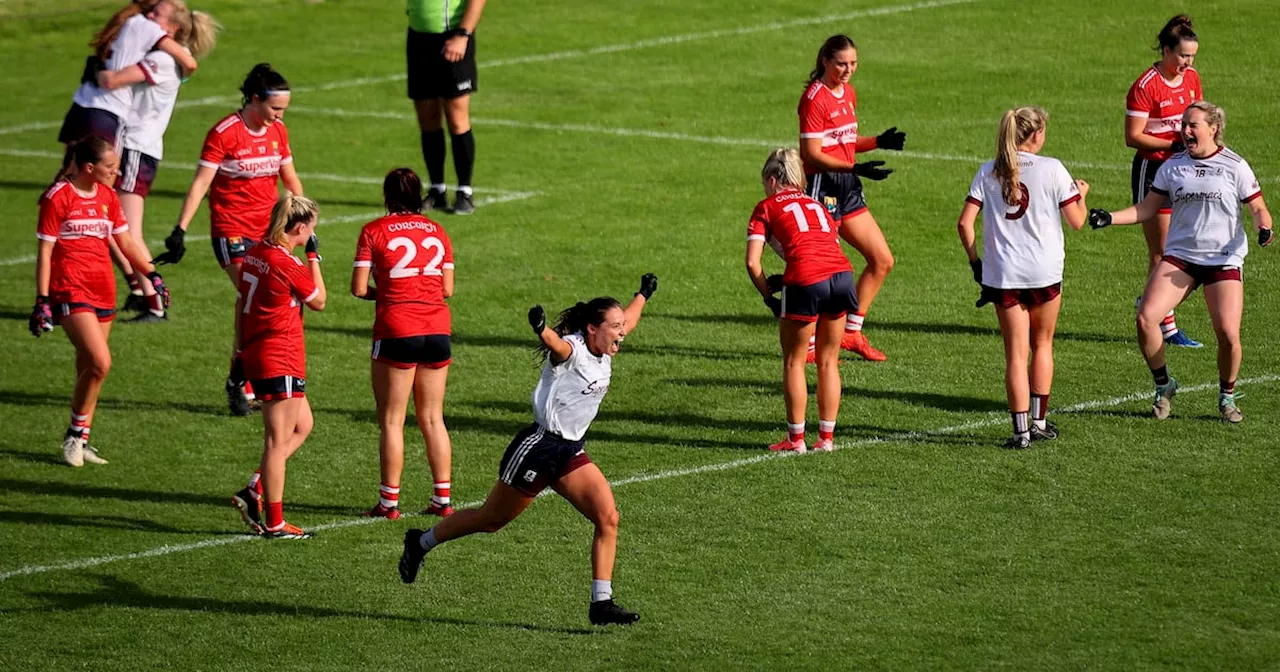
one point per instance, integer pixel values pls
(881, 264)
(1148, 320)
(607, 520)
(100, 365)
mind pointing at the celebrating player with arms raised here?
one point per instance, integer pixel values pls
(829, 143)
(273, 284)
(578, 366)
(1206, 245)
(817, 292)
(1153, 126)
(411, 260)
(244, 157)
(1023, 197)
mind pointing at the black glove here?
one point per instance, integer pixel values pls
(976, 267)
(774, 283)
(987, 296)
(537, 319)
(872, 170)
(648, 285)
(176, 247)
(1178, 145)
(774, 304)
(891, 139)
(92, 66)
(1264, 237)
(41, 317)
(162, 289)
(313, 248)
(1099, 218)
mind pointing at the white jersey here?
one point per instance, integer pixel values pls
(1205, 195)
(1022, 244)
(138, 36)
(153, 102)
(568, 394)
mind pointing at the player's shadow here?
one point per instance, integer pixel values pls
(116, 593)
(948, 329)
(83, 491)
(99, 521)
(51, 457)
(20, 398)
(15, 315)
(944, 402)
(763, 318)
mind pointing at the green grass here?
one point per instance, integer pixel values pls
(1128, 544)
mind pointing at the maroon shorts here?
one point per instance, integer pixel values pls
(61, 310)
(1008, 298)
(280, 387)
(137, 172)
(1205, 275)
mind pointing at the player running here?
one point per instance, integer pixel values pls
(829, 143)
(244, 157)
(1205, 185)
(411, 261)
(817, 292)
(1023, 198)
(155, 81)
(1152, 126)
(75, 287)
(578, 355)
(273, 286)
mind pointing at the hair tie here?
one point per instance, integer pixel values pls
(275, 92)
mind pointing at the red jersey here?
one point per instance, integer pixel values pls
(834, 119)
(273, 286)
(1161, 103)
(79, 225)
(408, 254)
(803, 233)
(244, 190)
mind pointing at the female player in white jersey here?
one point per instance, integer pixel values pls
(1152, 127)
(578, 355)
(1206, 245)
(155, 81)
(1023, 198)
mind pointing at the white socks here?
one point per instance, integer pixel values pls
(601, 590)
(428, 540)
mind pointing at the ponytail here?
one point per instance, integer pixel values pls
(576, 319)
(1016, 127)
(1174, 32)
(79, 154)
(262, 82)
(197, 31)
(834, 45)
(290, 211)
(101, 43)
(784, 166)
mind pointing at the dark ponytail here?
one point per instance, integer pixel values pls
(576, 319)
(78, 154)
(261, 82)
(402, 192)
(834, 45)
(1174, 32)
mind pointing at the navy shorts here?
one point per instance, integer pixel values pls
(84, 122)
(537, 458)
(280, 387)
(841, 193)
(430, 75)
(1206, 275)
(231, 250)
(137, 172)
(829, 298)
(61, 310)
(432, 351)
(1140, 178)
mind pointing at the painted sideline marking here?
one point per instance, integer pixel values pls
(992, 419)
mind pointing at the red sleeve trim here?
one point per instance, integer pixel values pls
(970, 199)
(1069, 201)
(1256, 195)
(146, 72)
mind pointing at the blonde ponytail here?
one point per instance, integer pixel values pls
(784, 166)
(1016, 127)
(198, 31)
(290, 211)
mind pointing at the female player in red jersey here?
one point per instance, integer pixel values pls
(817, 292)
(1206, 244)
(411, 260)
(1153, 127)
(273, 284)
(577, 368)
(1023, 198)
(829, 143)
(75, 286)
(244, 157)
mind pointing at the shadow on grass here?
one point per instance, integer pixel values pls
(54, 456)
(944, 402)
(19, 398)
(15, 315)
(99, 521)
(117, 593)
(81, 490)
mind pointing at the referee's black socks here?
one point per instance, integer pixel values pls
(433, 154)
(464, 158)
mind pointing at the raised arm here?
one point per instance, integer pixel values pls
(179, 54)
(558, 347)
(648, 285)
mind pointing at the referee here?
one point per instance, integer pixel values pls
(441, 55)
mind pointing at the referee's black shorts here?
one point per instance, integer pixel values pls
(430, 75)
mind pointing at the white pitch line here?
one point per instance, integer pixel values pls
(993, 420)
